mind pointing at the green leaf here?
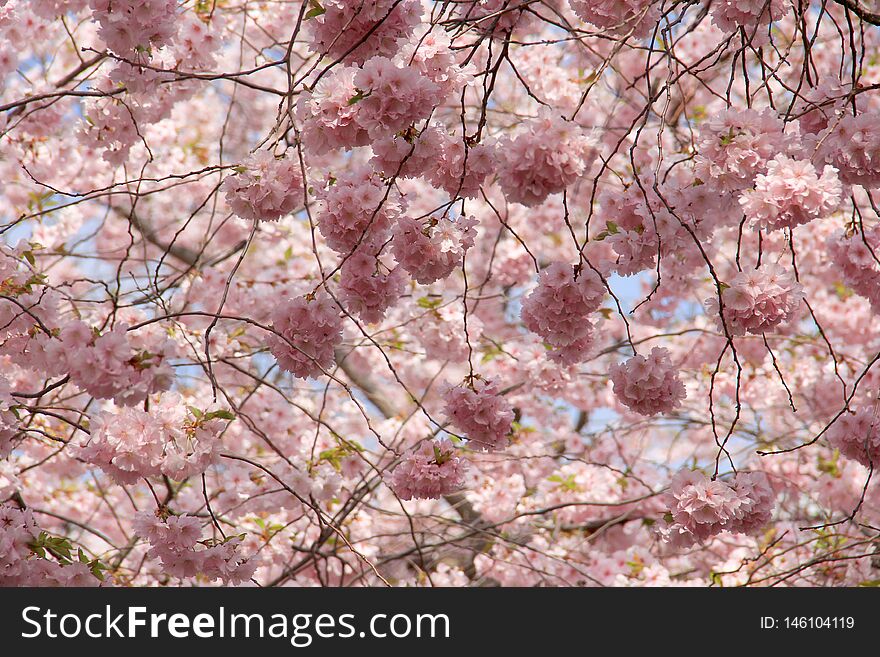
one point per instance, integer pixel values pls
(315, 11)
(220, 415)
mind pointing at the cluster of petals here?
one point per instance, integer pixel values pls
(392, 96)
(177, 542)
(432, 56)
(481, 413)
(328, 115)
(857, 435)
(129, 25)
(429, 471)
(307, 330)
(360, 29)
(367, 288)
(856, 257)
(648, 385)
(558, 310)
(431, 253)
(752, 15)
(638, 17)
(108, 365)
(355, 209)
(852, 145)
(547, 155)
(758, 300)
(444, 159)
(21, 566)
(734, 146)
(166, 440)
(265, 187)
(791, 193)
(701, 508)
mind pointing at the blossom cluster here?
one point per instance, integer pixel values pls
(265, 188)
(177, 542)
(168, 440)
(481, 413)
(648, 384)
(791, 193)
(701, 507)
(758, 300)
(306, 331)
(857, 435)
(429, 471)
(558, 310)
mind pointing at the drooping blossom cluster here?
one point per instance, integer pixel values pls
(857, 435)
(558, 309)
(758, 300)
(306, 331)
(391, 96)
(135, 25)
(545, 156)
(177, 542)
(637, 17)
(852, 145)
(445, 160)
(109, 364)
(856, 258)
(24, 561)
(791, 193)
(429, 471)
(431, 253)
(700, 507)
(735, 146)
(167, 440)
(355, 208)
(265, 187)
(360, 29)
(752, 15)
(481, 413)
(368, 288)
(648, 384)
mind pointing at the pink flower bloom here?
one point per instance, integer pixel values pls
(310, 331)
(857, 435)
(163, 441)
(360, 29)
(176, 542)
(356, 208)
(481, 414)
(857, 259)
(758, 300)
(428, 472)
(853, 146)
(431, 254)
(558, 310)
(753, 15)
(265, 188)
(701, 508)
(365, 290)
(648, 385)
(128, 25)
(546, 156)
(735, 146)
(619, 16)
(791, 193)
(392, 96)
(328, 115)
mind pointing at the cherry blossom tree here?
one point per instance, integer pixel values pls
(410, 293)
